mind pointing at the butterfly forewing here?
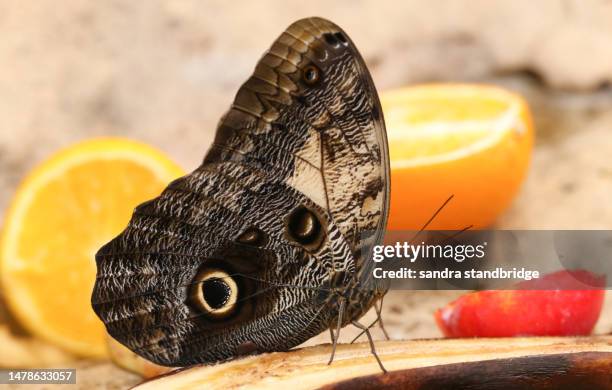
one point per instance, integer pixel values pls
(325, 137)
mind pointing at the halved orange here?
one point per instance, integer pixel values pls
(63, 212)
(472, 142)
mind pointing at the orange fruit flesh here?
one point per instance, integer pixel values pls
(57, 223)
(469, 142)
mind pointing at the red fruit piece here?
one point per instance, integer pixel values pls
(558, 304)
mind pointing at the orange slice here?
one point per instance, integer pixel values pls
(63, 212)
(472, 142)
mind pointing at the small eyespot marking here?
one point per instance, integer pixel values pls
(252, 236)
(341, 38)
(304, 227)
(331, 40)
(311, 75)
(215, 293)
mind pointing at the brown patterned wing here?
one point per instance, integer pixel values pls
(311, 111)
(236, 256)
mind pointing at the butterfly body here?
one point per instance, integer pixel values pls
(262, 246)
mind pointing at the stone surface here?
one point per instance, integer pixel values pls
(164, 72)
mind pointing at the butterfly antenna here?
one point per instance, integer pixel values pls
(457, 234)
(338, 327)
(432, 217)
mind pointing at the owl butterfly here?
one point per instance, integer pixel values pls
(266, 244)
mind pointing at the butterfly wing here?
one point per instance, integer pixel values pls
(233, 257)
(311, 111)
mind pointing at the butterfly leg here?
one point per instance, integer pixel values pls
(338, 327)
(372, 347)
(363, 331)
(378, 307)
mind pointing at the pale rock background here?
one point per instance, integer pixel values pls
(163, 72)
